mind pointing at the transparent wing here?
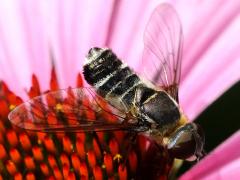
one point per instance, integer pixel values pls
(72, 110)
(162, 55)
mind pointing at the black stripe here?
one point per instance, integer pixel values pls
(125, 85)
(104, 65)
(129, 97)
(103, 71)
(120, 76)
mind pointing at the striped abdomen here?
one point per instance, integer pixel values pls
(110, 76)
(118, 84)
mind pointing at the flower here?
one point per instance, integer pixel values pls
(59, 155)
(40, 35)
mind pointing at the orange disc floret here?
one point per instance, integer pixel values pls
(60, 135)
(97, 173)
(2, 126)
(114, 148)
(49, 144)
(71, 118)
(29, 163)
(35, 85)
(119, 135)
(122, 172)
(108, 162)
(3, 153)
(67, 144)
(4, 110)
(4, 87)
(37, 153)
(96, 149)
(101, 137)
(81, 136)
(143, 144)
(44, 169)
(11, 167)
(57, 173)
(52, 161)
(18, 176)
(84, 170)
(51, 101)
(32, 93)
(79, 80)
(80, 148)
(65, 171)
(30, 176)
(75, 162)
(53, 82)
(41, 136)
(64, 159)
(91, 158)
(15, 155)
(25, 141)
(13, 100)
(12, 137)
(132, 159)
(71, 176)
(51, 118)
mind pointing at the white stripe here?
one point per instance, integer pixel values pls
(93, 57)
(116, 85)
(136, 84)
(104, 80)
(149, 98)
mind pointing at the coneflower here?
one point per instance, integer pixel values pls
(70, 28)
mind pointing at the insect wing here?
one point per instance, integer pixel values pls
(70, 110)
(163, 41)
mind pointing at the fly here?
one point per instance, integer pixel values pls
(120, 95)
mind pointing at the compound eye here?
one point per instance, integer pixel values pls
(186, 143)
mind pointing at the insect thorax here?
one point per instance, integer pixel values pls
(122, 88)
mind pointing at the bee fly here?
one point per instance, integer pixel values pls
(150, 108)
(157, 113)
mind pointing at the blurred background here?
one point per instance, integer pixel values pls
(37, 35)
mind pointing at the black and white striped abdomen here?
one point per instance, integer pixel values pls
(111, 78)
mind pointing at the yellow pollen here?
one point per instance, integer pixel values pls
(103, 166)
(39, 142)
(58, 107)
(11, 107)
(117, 157)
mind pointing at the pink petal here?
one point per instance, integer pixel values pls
(229, 171)
(76, 26)
(211, 53)
(36, 40)
(30, 29)
(220, 163)
(15, 67)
